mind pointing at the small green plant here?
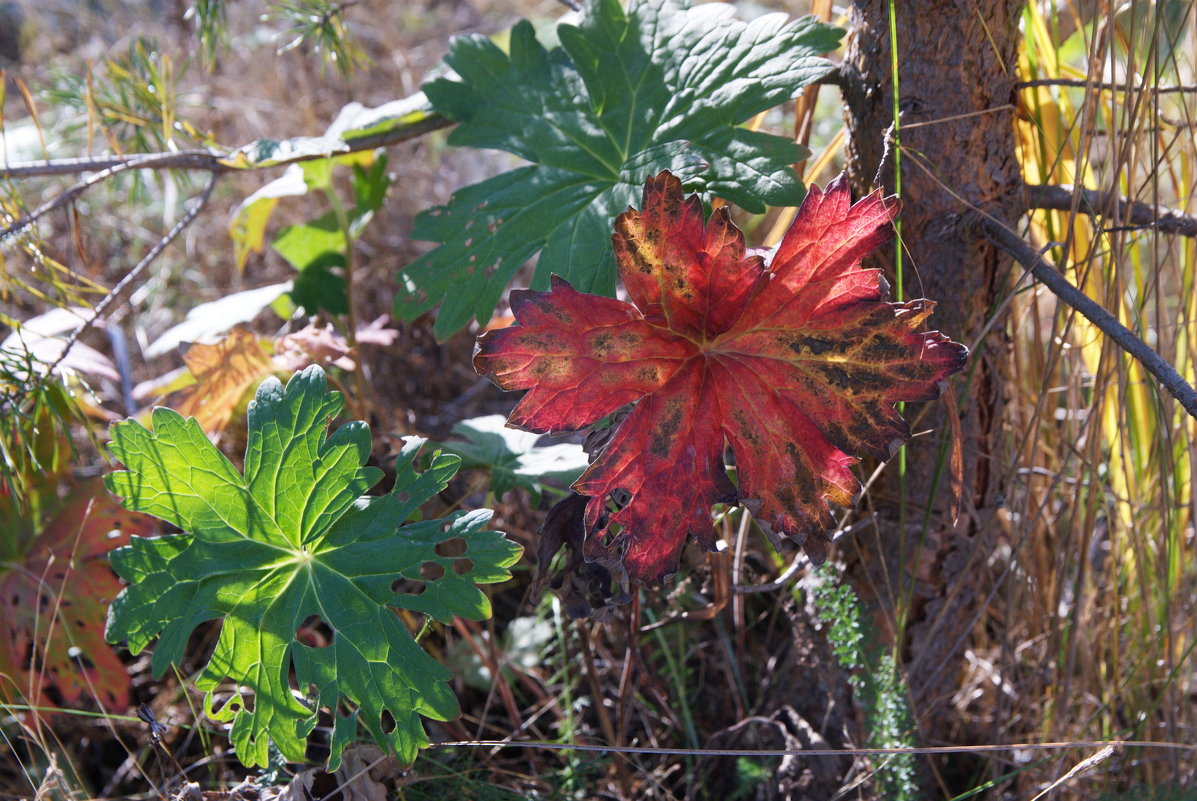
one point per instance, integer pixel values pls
(658, 86)
(321, 250)
(320, 27)
(134, 98)
(512, 457)
(876, 681)
(291, 544)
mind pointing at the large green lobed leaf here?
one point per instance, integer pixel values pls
(291, 540)
(660, 86)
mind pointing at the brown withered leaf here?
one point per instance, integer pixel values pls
(223, 373)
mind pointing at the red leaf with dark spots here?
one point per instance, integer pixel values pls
(796, 366)
(53, 604)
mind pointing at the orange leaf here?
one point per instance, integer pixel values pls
(224, 373)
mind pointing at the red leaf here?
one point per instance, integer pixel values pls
(53, 605)
(797, 366)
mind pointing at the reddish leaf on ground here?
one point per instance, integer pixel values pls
(54, 603)
(796, 366)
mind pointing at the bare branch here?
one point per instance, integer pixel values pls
(1080, 83)
(214, 161)
(58, 201)
(103, 306)
(1051, 277)
(179, 160)
(1109, 204)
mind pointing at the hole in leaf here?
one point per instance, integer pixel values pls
(462, 566)
(403, 496)
(611, 534)
(406, 586)
(388, 722)
(432, 571)
(293, 680)
(315, 633)
(325, 786)
(455, 546)
(239, 703)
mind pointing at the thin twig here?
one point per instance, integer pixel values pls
(152, 160)
(800, 561)
(817, 752)
(1110, 204)
(102, 307)
(215, 161)
(1051, 277)
(1081, 83)
(204, 160)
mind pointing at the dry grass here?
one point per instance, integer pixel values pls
(1090, 634)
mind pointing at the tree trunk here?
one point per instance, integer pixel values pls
(957, 69)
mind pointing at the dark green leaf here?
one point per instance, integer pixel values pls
(317, 289)
(628, 94)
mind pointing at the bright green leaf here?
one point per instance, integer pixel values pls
(512, 457)
(313, 249)
(307, 243)
(370, 185)
(291, 540)
(628, 94)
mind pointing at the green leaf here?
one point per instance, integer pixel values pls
(512, 456)
(307, 243)
(370, 185)
(313, 249)
(317, 288)
(660, 86)
(291, 540)
(248, 226)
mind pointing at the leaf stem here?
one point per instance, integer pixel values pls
(350, 303)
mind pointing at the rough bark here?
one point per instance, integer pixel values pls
(956, 85)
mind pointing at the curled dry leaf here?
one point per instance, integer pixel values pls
(797, 366)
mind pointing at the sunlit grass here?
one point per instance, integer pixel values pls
(1098, 625)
